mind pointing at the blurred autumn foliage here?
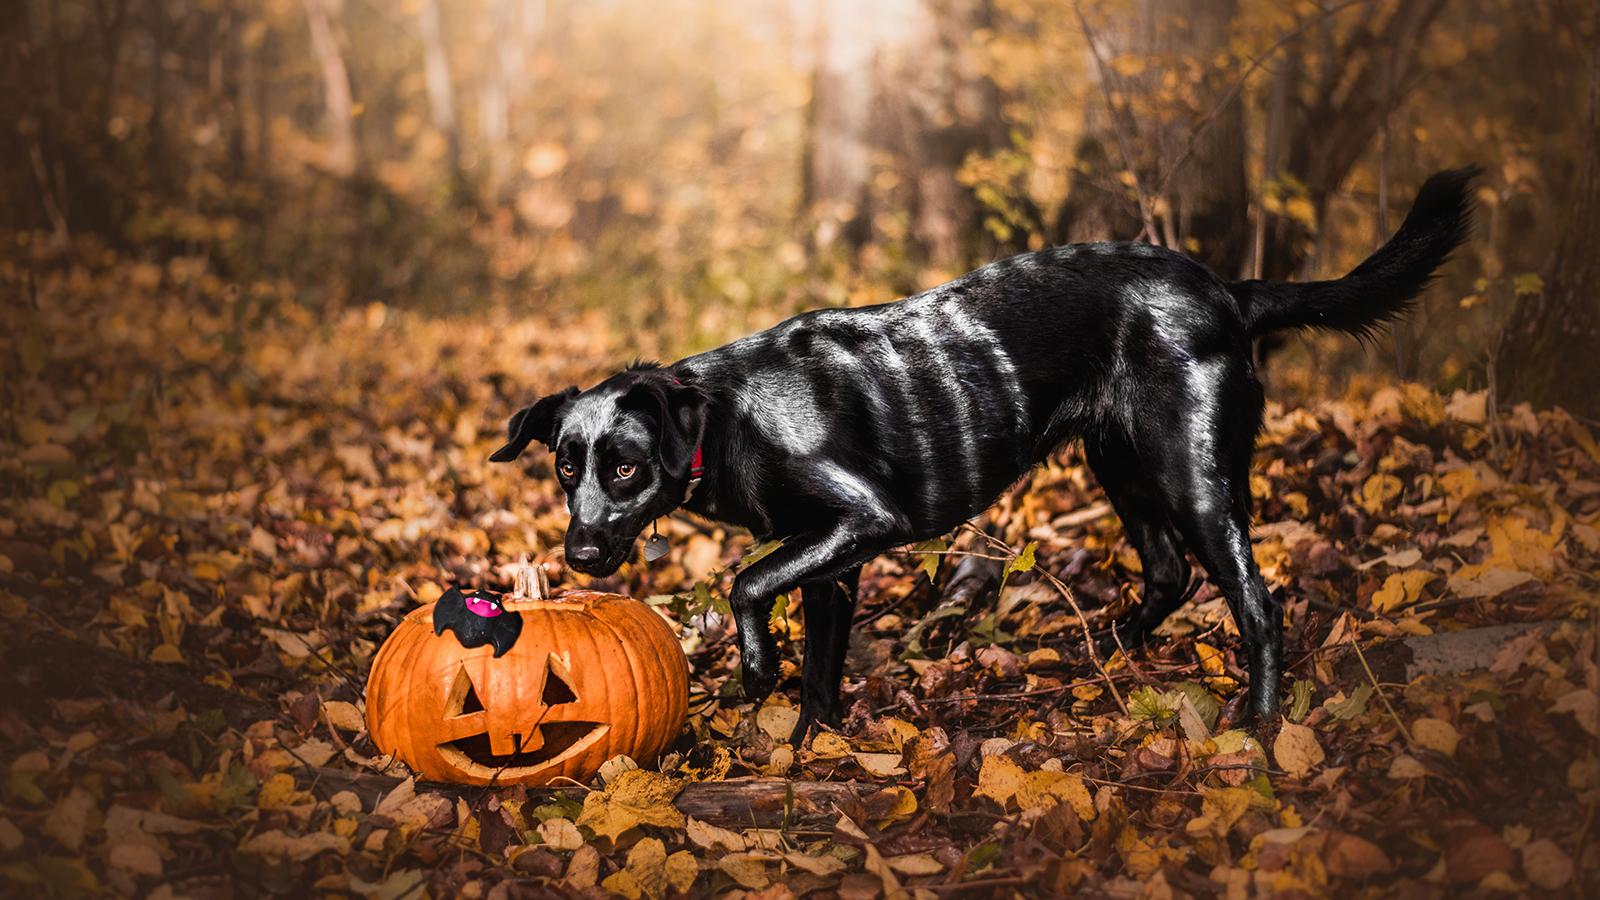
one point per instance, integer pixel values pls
(699, 170)
(274, 274)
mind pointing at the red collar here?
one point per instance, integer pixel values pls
(697, 467)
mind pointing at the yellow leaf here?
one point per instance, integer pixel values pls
(704, 834)
(1400, 589)
(748, 869)
(880, 765)
(278, 792)
(343, 715)
(1378, 491)
(1210, 658)
(1482, 581)
(827, 745)
(682, 869)
(1220, 808)
(636, 797)
(166, 653)
(1003, 781)
(999, 779)
(644, 875)
(777, 720)
(1296, 750)
(905, 806)
(1435, 734)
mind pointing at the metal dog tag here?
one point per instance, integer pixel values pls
(655, 547)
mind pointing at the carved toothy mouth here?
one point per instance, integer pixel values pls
(561, 740)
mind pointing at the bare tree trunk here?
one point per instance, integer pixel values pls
(896, 85)
(494, 103)
(338, 102)
(1547, 357)
(441, 96)
(838, 151)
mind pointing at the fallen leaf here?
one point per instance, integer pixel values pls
(1296, 750)
(560, 834)
(1435, 734)
(1349, 856)
(69, 820)
(880, 765)
(704, 834)
(1399, 590)
(297, 848)
(748, 869)
(637, 797)
(1406, 766)
(777, 720)
(644, 874)
(1220, 808)
(1584, 705)
(1547, 865)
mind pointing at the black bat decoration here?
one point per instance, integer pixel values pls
(477, 618)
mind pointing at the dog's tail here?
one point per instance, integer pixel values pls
(1384, 286)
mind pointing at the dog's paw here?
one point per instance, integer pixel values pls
(757, 680)
(812, 721)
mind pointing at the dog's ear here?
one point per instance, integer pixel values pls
(681, 411)
(533, 423)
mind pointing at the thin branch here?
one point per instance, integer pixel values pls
(1146, 211)
(1233, 92)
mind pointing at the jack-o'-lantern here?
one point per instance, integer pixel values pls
(482, 689)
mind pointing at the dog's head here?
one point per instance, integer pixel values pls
(623, 452)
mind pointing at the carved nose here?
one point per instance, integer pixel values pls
(587, 553)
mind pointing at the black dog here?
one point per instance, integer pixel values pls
(851, 431)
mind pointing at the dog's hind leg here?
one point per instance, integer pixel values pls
(1144, 518)
(1202, 473)
(830, 605)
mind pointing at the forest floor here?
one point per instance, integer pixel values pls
(218, 504)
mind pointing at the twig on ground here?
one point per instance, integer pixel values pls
(1406, 733)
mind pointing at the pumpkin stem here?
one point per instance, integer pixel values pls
(528, 581)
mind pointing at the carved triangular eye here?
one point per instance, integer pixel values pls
(556, 688)
(463, 699)
(471, 703)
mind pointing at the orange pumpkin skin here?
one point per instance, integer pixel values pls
(592, 676)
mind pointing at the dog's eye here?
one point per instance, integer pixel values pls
(567, 470)
(626, 470)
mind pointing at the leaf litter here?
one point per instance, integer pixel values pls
(215, 512)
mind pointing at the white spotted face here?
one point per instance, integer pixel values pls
(607, 462)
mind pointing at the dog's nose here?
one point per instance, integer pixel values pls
(585, 554)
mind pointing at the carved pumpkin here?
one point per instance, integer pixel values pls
(591, 675)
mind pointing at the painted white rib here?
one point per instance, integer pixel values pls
(957, 390)
(980, 333)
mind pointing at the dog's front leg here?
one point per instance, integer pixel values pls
(808, 557)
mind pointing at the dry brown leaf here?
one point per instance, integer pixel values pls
(1296, 750)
